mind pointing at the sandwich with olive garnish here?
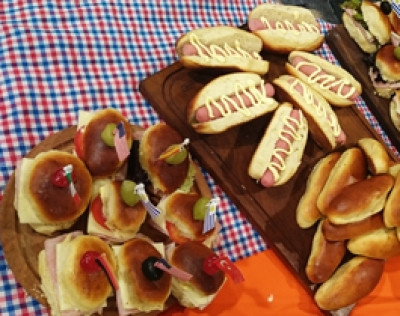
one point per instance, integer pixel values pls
(116, 212)
(164, 156)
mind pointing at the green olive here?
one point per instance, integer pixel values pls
(107, 135)
(396, 52)
(200, 208)
(177, 158)
(127, 193)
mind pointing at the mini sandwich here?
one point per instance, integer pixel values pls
(394, 110)
(116, 212)
(182, 218)
(202, 288)
(221, 47)
(230, 100)
(72, 278)
(142, 286)
(284, 28)
(95, 141)
(334, 83)
(385, 74)
(365, 22)
(322, 121)
(46, 197)
(280, 151)
(166, 160)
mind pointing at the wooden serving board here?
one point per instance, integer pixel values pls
(350, 57)
(226, 157)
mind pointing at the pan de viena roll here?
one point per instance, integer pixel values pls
(52, 190)
(72, 280)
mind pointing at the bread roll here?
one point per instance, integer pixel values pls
(360, 200)
(351, 167)
(381, 243)
(391, 211)
(221, 47)
(307, 212)
(378, 159)
(359, 34)
(353, 280)
(394, 110)
(285, 28)
(387, 64)
(325, 256)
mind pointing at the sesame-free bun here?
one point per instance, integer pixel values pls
(394, 110)
(215, 39)
(43, 205)
(387, 64)
(285, 28)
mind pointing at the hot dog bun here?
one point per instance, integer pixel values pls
(352, 281)
(394, 110)
(221, 47)
(391, 212)
(246, 90)
(378, 160)
(262, 160)
(321, 74)
(359, 200)
(322, 121)
(307, 212)
(325, 256)
(285, 28)
(350, 167)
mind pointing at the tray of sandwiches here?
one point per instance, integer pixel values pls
(277, 128)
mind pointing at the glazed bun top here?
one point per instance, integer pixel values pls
(190, 257)
(54, 204)
(101, 159)
(378, 23)
(165, 177)
(387, 64)
(86, 289)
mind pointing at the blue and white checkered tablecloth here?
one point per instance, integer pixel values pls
(59, 57)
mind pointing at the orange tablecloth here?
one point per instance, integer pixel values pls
(266, 277)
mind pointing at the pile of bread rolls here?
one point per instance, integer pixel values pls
(352, 198)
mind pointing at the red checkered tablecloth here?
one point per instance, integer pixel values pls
(59, 57)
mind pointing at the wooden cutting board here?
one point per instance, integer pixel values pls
(226, 157)
(350, 57)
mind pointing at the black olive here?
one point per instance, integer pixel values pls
(150, 271)
(386, 7)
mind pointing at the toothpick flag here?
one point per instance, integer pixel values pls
(209, 219)
(121, 145)
(173, 150)
(151, 209)
(68, 174)
(214, 263)
(162, 264)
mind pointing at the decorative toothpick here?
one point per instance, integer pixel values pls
(214, 263)
(121, 145)
(173, 150)
(68, 174)
(151, 209)
(209, 218)
(162, 264)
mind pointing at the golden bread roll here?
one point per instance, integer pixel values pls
(221, 47)
(101, 159)
(394, 109)
(202, 288)
(335, 232)
(387, 64)
(360, 200)
(323, 123)
(165, 177)
(41, 201)
(381, 243)
(280, 151)
(378, 159)
(141, 288)
(325, 256)
(334, 83)
(350, 167)
(352, 281)
(307, 212)
(391, 211)
(285, 28)
(230, 100)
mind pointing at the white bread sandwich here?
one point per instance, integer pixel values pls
(394, 110)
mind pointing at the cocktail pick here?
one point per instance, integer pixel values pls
(162, 264)
(120, 143)
(209, 218)
(175, 149)
(68, 174)
(214, 263)
(151, 209)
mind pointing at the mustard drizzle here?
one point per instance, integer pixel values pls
(286, 25)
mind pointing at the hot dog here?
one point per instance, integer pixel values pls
(230, 100)
(285, 28)
(323, 123)
(334, 83)
(279, 153)
(221, 47)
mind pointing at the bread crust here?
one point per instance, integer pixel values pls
(387, 64)
(227, 86)
(285, 41)
(391, 211)
(378, 159)
(378, 22)
(361, 37)
(394, 110)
